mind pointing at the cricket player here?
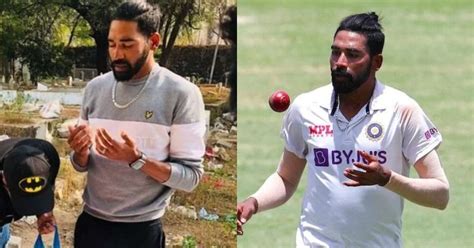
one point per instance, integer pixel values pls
(359, 139)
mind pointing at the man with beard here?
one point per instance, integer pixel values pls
(140, 137)
(359, 138)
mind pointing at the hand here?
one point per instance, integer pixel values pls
(123, 151)
(80, 140)
(373, 173)
(46, 223)
(245, 210)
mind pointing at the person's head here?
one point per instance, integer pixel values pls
(228, 27)
(29, 173)
(133, 38)
(228, 24)
(356, 51)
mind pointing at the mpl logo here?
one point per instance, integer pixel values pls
(320, 130)
(323, 157)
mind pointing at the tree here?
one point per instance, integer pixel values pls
(41, 15)
(10, 32)
(27, 32)
(98, 14)
(185, 16)
(174, 14)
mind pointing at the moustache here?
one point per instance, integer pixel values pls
(120, 62)
(338, 73)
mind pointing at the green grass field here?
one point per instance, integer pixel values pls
(428, 54)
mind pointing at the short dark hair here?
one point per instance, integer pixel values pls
(367, 24)
(146, 15)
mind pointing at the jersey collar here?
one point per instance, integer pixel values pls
(376, 102)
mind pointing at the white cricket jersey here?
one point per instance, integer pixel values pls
(392, 127)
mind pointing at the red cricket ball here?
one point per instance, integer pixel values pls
(279, 101)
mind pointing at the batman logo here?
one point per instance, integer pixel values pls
(32, 184)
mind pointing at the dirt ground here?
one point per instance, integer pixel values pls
(66, 220)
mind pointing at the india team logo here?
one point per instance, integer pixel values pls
(374, 131)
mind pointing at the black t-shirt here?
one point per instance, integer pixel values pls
(7, 214)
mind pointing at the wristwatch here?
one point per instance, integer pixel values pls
(139, 163)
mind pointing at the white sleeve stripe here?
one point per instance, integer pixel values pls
(187, 140)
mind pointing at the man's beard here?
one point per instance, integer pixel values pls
(131, 70)
(344, 83)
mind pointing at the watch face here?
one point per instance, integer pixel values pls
(138, 164)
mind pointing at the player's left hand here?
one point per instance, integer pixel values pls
(374, 172)
(46, 223)
(116, 150)
(245, 211)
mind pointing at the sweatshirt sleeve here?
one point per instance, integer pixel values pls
(187, 144)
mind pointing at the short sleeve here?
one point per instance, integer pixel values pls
(420, 136)
(292, 131)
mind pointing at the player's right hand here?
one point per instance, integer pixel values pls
(245, 210)
(80, 139)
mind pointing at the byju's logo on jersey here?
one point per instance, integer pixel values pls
(374, 131)
(323, 157)
(320, 131)
(431, 133)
